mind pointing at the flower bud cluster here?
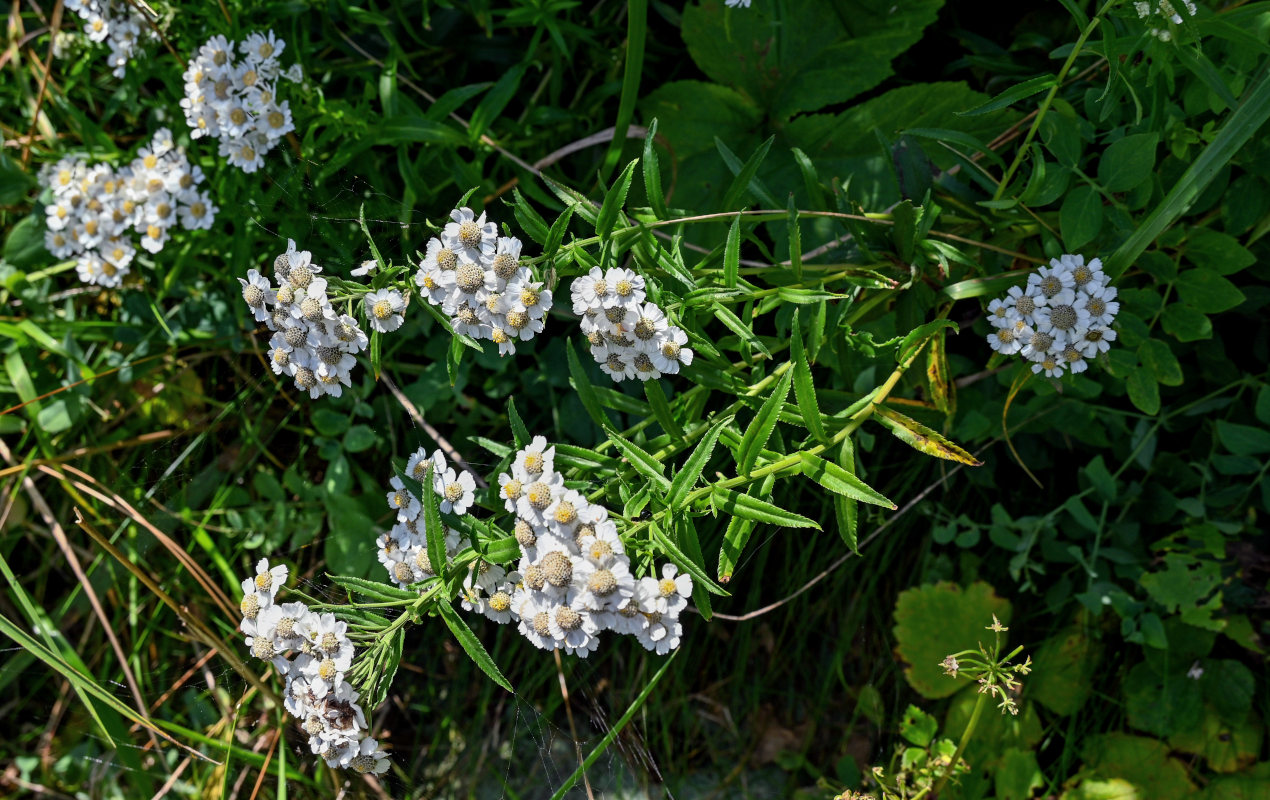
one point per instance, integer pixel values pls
(96, 210)
(1059, 319)
(404, 549)
(574, 578)
(311, 343)
(630, 338)
(313, 653)
(476, 277)
(118, 24)
(236, 100)
(1164, 8)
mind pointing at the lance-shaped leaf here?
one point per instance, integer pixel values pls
(752, 508)
(761, 426)
(690, 543)
(661, 409)
(520, 434)
(641, 459)
(672, 551)
(582, 385)
(804, 389)
(387, 658)
(471, 645)
(433, 528)
(738, 327)
(652, 175)
(380, 592)
(942, 390)
(920, 437)
(839, 481)
(732, 254)
(614, 200)
(846, 510)
(687, 476)
(738, 532)
(917, 337)
(555, 236)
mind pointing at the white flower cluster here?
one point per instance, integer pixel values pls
(629, 337)
(1163, 8)
(476, 277)
(574, 579)
(115, 22)
(311, 343)
(236, 100)
(316, 693)
(404, 549)
(1061, 318)
(96, 209)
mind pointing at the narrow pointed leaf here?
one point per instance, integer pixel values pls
(556, 235)
(742, 182)
(433, 528)
(839, 481)
(672, 551)
(472, 646)
(915, 339)
(804, 388)
(686, 535)
(374, 590)
(661, 409)
(652, 174)
(760, 429)
(942, 389)
(688, 474)
(738, 532)
(582, 385)
(614, 201)
(639, 458)
(752, 508)
(922, 438)
(738, 327)
(846, 510)
(732, 254)
(520, 434)
(795, 242)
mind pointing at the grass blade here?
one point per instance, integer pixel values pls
(804, 388)
(636, 35)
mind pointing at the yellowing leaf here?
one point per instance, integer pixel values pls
(922, 438)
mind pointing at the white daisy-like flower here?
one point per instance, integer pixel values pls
(625, 287)
(590, 291)
(457, 491)
(1007, 340)
(1101, 305)
(434, 284)
(268, 579)
(1094, 339)
(535, 460)
(368, 758)
(346, 330)
(1064, 312)
(510, 489)
(671, 352)
(257, 291)
(384, 309)
(471, 235)
(1039, 344)
(403, 501)
(504, 263)
(672, 590)
(1052, 279)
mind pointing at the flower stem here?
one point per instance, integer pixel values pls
(961, 746)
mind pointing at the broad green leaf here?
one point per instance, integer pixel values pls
(756, 510)
(615, 200)
(1185, 323)
(1066, 663)
(471, 645)
(1018, 775)
(641, 459)
(686, 477)
(1207, 292)
(1144, 390)
(1127, 162)
(804, 388)
(690, 114)
(1080, 217)
(1247, 119)
(917, 726)
(921, 438)
(412, 128)
(1243, 440)
(839, 481)
(1158, 357)
(1218, 252)
(761, 427)
(796, 57)
(937, 620)
(672, 551)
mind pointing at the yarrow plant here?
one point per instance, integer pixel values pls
(121, 25)
(312, 342)
(573, 579)
(1059, 320)
(96, 210)
(235, 100)
(1166, 10)
(629, 336)
(313, 652)
(476, 277)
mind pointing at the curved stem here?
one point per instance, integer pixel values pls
(961, 746)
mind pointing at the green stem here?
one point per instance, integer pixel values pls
(1049, 98)
(961, 746)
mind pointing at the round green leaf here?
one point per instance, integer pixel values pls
(936, 620)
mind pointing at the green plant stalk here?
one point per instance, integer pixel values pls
(961, 746)
(1049, 98)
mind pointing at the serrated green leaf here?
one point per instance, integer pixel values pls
(686, 477)
(744, 180)
(923, 439)
(642, 460)
(615, 200)
(372, 589)
(756, 510)
(433, 528)
(732, 254)
(761, 427)
(917, 338)
(661, 409)
(846, 510)
(1020, 91)
(839, 481)
(942, 389)
(804, 388)
(738, 327)
(556, 235)
(471, 645)
(652, 174)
